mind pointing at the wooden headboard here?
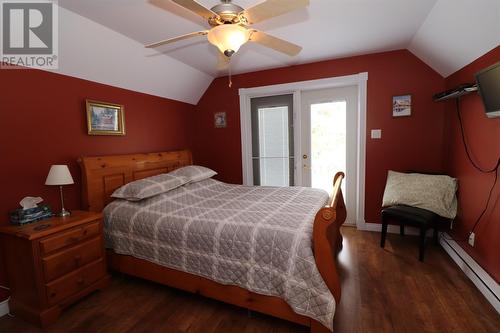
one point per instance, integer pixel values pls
(101, 176)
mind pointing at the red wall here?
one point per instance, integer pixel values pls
(414, 142)
(44, 122)
(483, 136)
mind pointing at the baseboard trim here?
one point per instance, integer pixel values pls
(481, 279)
(4, 307)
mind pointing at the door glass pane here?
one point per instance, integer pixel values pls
(273, 146)
(272, 141)
(328, 143)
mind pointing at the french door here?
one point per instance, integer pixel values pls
(302, 138)
(328, 140)
(302, 133)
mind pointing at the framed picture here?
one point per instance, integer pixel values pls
(105, 118)
(220, 120)
(401, 106)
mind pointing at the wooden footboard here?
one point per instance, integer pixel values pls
(327, 240)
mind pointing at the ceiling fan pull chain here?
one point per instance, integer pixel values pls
(230, 75)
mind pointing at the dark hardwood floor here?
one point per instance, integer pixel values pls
(384, 290)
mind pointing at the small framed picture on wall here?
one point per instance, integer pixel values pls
(105, 118)
(401, 106)
(220, 120)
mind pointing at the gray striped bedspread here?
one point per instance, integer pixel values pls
(257, 238)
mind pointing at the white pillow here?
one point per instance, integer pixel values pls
(194, 173)
(436, 193)
(149, 187)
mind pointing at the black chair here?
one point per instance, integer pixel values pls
(416, 217)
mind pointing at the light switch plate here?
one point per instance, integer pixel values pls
(376, 134)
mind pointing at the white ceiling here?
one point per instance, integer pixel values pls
(446, 34)
(326, 29)
(456, 32)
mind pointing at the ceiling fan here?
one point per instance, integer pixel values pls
(230, 24)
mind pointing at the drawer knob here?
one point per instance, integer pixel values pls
(78, 257)
(53, 294)
(72, 240)
(79, 281)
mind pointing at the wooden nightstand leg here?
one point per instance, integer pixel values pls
(41, 319)
(49, 316)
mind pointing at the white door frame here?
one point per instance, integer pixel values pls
(295, 88)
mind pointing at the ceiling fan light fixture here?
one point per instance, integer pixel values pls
(229, 38)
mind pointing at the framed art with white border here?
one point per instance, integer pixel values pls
(401, 106)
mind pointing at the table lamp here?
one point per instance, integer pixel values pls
(59, 175)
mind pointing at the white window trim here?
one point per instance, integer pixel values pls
(295, 88)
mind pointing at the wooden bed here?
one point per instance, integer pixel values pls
(101, 176)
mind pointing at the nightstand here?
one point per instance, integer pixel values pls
(53, 263)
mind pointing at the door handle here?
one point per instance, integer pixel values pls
(305, 165)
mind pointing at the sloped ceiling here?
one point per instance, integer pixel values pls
(446, 34)
(93, 52)
(456, 32)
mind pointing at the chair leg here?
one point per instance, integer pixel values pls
(384, 233)
(435, 236)
(423, 232)
(402, 229)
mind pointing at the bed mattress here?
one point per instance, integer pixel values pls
(257, 238)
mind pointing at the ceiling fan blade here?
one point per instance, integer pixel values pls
(197, 8)
(223, 62)
(271, 8)
(275, 43)
(176, 39)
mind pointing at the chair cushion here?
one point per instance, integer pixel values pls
(432, 192)
(411, 214)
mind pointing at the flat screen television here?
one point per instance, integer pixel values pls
(488, 82)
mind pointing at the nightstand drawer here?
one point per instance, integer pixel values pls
(74, 282)
(70, 237)
(70, 259)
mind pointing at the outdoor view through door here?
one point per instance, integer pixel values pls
(272, 140)
(328, 142)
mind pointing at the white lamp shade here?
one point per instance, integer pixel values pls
(59, 175)
(228, 37)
